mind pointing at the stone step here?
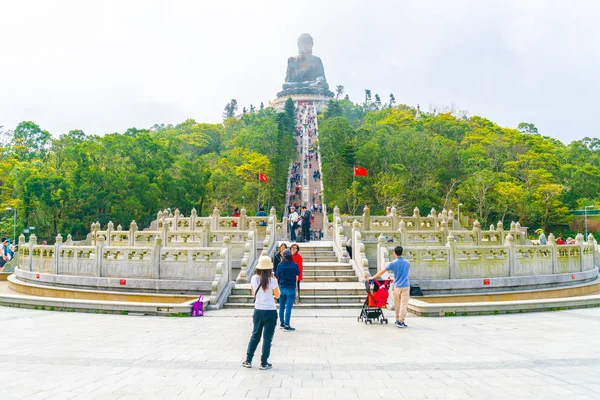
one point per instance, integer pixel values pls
(312, 292)
(304, 305)
(321, 278)
(306, 299)
(329, 266)
(328, 272)
(318, 259)
(306, 248)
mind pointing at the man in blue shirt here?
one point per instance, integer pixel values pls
(287, 275)
(400, 268)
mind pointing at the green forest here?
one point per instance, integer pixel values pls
(441, 160)
(62, 185)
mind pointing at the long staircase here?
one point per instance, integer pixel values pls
(327, 283)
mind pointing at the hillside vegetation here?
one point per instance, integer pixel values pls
(499, 174)
(63, 185)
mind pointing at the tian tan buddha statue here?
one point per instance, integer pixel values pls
(305, 73)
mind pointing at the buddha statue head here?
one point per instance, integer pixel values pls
(305, 45)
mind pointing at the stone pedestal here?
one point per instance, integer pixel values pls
(320, 102)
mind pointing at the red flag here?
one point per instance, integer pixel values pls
(262, 177)
(359, 171)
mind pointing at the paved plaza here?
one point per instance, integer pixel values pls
(58, 355)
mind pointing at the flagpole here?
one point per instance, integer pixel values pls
(258, 199)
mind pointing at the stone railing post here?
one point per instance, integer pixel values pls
(355, 228)
(552, 242)
(214, 223)
(57, 246)
(512, 257)
(159, 216)
(455, 226)
(403, 235)
(417, 217)
(445, 232)
(133, 228)
(477, 232)
(253, 239)
(109, 230)
(242, 220)
(32, 242)
(176, 216)
(579, 242)
(227, 243)
(452, 257)
(500, 230)
(93, 233)
(380, 245)
(366, 218)
(156, 257)
(433, 214)
(99, 256)
(22, 245)
(193, 219)
(394, 218)
(165, 233)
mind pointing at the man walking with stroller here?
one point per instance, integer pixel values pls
(400, 268)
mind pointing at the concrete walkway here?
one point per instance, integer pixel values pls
(88, 356)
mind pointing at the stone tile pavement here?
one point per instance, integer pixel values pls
(54, 355)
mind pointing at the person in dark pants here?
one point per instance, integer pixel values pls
(265, 290)
(287, 275)
(305, 224)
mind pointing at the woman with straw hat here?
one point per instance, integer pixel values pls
(265, 290)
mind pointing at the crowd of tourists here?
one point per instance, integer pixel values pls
(560, 241)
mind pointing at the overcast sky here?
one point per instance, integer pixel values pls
(105, 66)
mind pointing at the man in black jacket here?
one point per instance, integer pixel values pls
(305, 224)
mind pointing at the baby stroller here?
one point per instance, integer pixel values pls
(377, 296)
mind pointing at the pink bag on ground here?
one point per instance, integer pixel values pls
(198, 307)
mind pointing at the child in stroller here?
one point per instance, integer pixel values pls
(377, 296)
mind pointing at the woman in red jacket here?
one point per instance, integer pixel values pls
(298, 260)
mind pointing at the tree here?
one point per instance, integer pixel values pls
(548, 207)
(377, 103)
(527, 128)
(30, 141)
(333, 109)
(476, 191)
(252, 108)
(367, 103)
(230, 109)
(262, 106)
(346, 97)
(392, 100)
(339, 90)
(6, 137)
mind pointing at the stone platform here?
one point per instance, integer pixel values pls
(87, 356)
